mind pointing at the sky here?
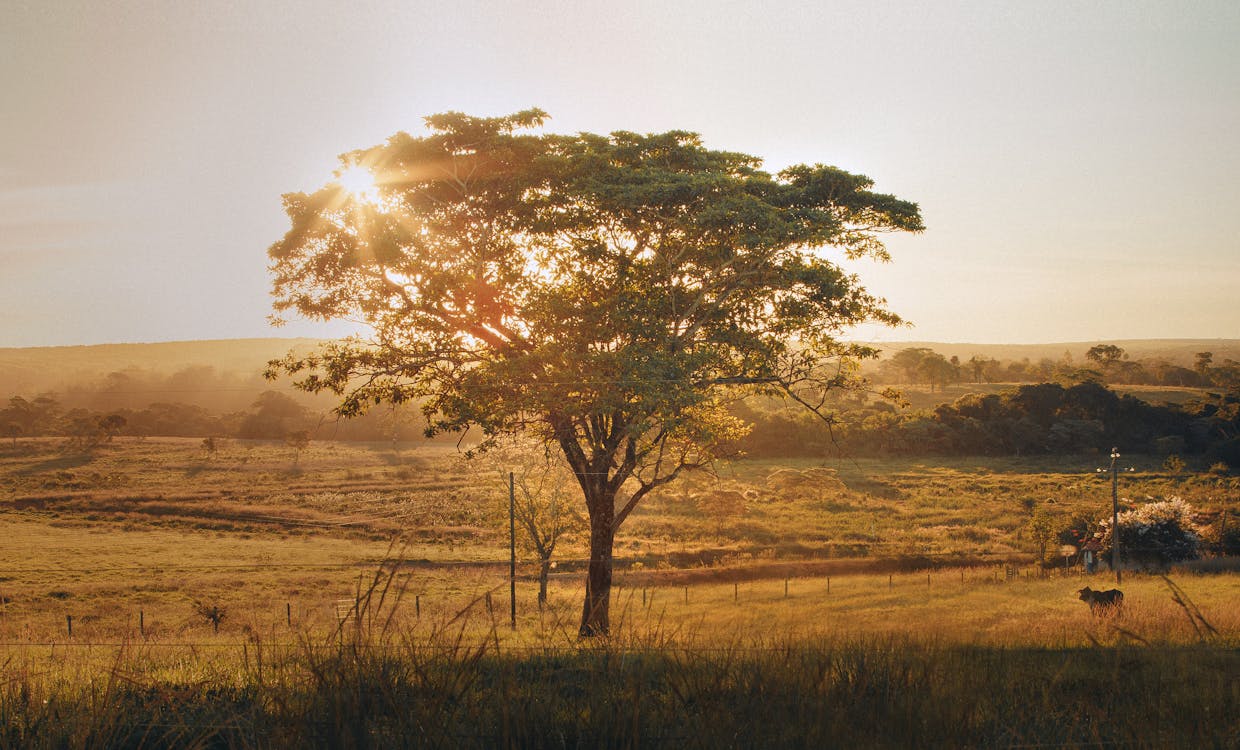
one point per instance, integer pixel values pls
(1077, 163)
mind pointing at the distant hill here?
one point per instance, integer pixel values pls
(32, 370)
(1175, 351)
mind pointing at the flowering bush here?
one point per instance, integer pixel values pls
(1155, 533)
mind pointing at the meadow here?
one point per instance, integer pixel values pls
(362, 600)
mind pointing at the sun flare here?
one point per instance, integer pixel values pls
(360, 183)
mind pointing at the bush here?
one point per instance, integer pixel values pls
(1155, 534)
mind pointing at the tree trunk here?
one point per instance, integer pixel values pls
(544, 570)
(595, 610)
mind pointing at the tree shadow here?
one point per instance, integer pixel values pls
(59, 463)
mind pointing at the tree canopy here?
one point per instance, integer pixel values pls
(606, 293)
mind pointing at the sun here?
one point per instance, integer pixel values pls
(360, 183)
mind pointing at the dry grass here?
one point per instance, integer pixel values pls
(151, 526)
(711, 673)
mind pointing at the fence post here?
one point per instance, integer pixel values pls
(69, 623)
(828, 584)
(288, 613)
(417, 605)
(686, 594)
(736, 592)
(889, 581)
(141, 623)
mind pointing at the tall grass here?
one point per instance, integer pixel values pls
(863, 693)
(376, 681)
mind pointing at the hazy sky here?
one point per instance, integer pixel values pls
(1077, 163)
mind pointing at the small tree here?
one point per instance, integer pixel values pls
(298, 440)
(1041, 531)
(542, 501)
(12, 430)
(212, 613)
(111, 425)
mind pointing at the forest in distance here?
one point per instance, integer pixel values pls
(1162, 398)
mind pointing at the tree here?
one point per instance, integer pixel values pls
(541, 501)
(908, 362)
(1041, 530)
(87, 431)
(36, 417)
(935, 369)
(298, 440)
(982, 367)
(1201, 364)
(608, 295)
(275, 416)
(1106, 356)
(111, 425)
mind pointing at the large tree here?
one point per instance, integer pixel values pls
(608, 294)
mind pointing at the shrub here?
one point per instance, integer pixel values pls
(1157, 533)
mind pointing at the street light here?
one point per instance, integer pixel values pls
(1114, 469)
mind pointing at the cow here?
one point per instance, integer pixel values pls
(1102, 602)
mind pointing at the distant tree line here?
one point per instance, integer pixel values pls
(1043, 418)
(1104, 363)
(272, 416)
(1072, 415)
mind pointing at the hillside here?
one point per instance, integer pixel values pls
(32, 370)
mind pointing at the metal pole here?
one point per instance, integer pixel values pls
(512, 548)
(1115, 515)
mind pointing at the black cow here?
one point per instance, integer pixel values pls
(1102, 602)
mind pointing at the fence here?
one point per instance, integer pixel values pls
(405, 596)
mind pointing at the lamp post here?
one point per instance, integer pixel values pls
(1114, 469)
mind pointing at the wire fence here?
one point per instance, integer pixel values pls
(484, 597)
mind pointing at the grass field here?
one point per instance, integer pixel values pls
(900, 596)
